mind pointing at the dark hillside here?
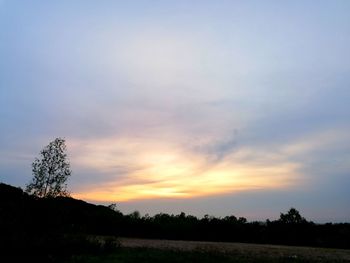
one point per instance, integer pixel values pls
(25, 219)
(22, 212)
(52, 226)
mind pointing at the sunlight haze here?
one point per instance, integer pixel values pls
(207, 107)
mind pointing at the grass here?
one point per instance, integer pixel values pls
(96, 249)
(148, 255)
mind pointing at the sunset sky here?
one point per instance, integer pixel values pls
(208, 107)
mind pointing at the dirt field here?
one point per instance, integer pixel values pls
(251, 250)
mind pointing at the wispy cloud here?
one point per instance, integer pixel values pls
(178, 99)
(168, 169)
(148, 168)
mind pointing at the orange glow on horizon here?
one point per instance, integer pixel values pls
(168, 171)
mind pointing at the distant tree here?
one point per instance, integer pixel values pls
(135, 215)
(292, 217)
(50, 171)
(182, 215)
(242, 220)
(231, 219)
(208, 218)
(113, 207)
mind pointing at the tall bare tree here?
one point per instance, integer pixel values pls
(50, 171)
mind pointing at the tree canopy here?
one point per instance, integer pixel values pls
(50, 171)
(292, 217)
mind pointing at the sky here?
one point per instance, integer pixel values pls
(206, 107)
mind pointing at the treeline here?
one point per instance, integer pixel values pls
(233, 229)
(23, 217)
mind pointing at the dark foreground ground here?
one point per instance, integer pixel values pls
(102, 249)
(257, 250)
(64, 229)
(143, 250)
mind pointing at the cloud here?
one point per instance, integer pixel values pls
(325, 158)
(158, 169)
(146, 167)
(178, 100)
(325, 140)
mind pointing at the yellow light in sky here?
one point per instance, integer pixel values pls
(158, 170)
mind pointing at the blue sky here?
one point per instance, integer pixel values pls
(206, 107)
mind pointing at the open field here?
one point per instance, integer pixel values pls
(152, 255)
(254, 251)
(129, 250)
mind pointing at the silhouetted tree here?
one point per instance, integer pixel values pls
(113, 207)
(135, 215)
(292, 217)
(242, 220)
(51, 171)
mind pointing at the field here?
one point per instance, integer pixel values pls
(143, 250)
